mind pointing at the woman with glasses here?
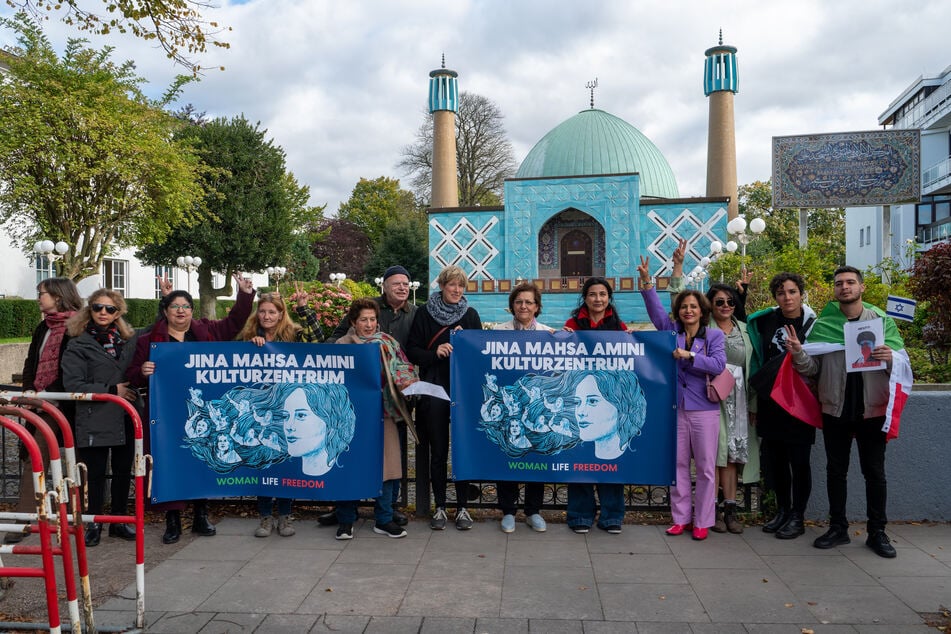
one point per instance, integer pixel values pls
(58, 300)
(733, 448)
(100, 349)
(176, 324)
(525, 304)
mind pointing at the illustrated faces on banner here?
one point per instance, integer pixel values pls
(550, 414)
(260, 426)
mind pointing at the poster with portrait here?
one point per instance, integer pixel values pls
(589, 406)
(861, 338)
(295, 420)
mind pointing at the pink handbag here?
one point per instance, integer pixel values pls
(720, 386)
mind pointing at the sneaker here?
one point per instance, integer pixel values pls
(881, 545)
(285, 526)
(463, 520)
(835, 536)
(699, 534)
(581, 529)
(390, 529)
(267, 525)
(536, 522)
(345, 531)
(400, 518)
(328, 519)
(13, 538)
(614, 529)
(438, 523)
(508, 523)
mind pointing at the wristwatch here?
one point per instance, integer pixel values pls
(693, 355)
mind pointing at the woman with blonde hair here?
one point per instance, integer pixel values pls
(100, 349)
(272, 323)
(428, 347)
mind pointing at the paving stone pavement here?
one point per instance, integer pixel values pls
(486, 581)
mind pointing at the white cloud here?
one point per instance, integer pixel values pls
(341, 85)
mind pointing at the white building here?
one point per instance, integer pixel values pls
(122, 272)
(925, 104)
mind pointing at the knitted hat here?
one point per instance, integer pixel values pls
(395, 270)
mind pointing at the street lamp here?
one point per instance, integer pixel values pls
(737, 229)
(190, 264)
(379, 282)
(52, 252)
(338, 278)
(414, 286)
(277, 272)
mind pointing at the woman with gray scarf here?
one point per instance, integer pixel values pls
(428, 347)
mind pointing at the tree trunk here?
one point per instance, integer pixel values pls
(208, 294)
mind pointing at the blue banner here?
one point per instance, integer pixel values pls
(587, 406)
(290, 420)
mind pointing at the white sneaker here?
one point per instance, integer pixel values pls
(267, 525)
(285, 526)
(536, 522)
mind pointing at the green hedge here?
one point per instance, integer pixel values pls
(19, 317)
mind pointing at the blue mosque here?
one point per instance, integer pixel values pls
(592, 196)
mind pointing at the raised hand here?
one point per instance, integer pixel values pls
(644, 270)
(245, 285)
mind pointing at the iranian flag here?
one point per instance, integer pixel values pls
(828, 336)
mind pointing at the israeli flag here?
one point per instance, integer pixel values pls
(901, 308)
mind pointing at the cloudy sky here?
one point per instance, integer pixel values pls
(342, 85)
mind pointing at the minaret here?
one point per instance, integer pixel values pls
(720, 84)
(443, 103)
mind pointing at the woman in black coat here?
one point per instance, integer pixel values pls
(429, 348)
(58, 300)
(100, 349)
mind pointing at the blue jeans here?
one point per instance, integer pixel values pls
(266, 506)
(581, 504)
(382, 507)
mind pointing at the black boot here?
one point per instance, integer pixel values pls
(201, 524)
(733, 523)
(793, 528)
(93, 534)
(173, 527)
(122, 531)
(777, 522)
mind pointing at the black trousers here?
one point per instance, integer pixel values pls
(838, 434)
(790, 473)
(96, 459)
(432, 427)
(508, 497)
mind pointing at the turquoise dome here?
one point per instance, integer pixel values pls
(594, 142)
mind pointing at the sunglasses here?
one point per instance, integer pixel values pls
(98, 308)
(720, 302)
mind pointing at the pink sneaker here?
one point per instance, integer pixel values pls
(700, 534)
(677, 529)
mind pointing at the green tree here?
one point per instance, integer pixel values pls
(177, 26)
(255, 208)
(484, 155)
(84, 157)
(374, 203)
(404, 243)
(826, 227)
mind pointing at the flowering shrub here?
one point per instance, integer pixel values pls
(329, 302)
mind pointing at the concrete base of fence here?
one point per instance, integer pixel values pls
(12, 356)
(916, 464)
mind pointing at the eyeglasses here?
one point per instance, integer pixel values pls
(720, 302)
(98, 308)
(180, 307)
(524, 302)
